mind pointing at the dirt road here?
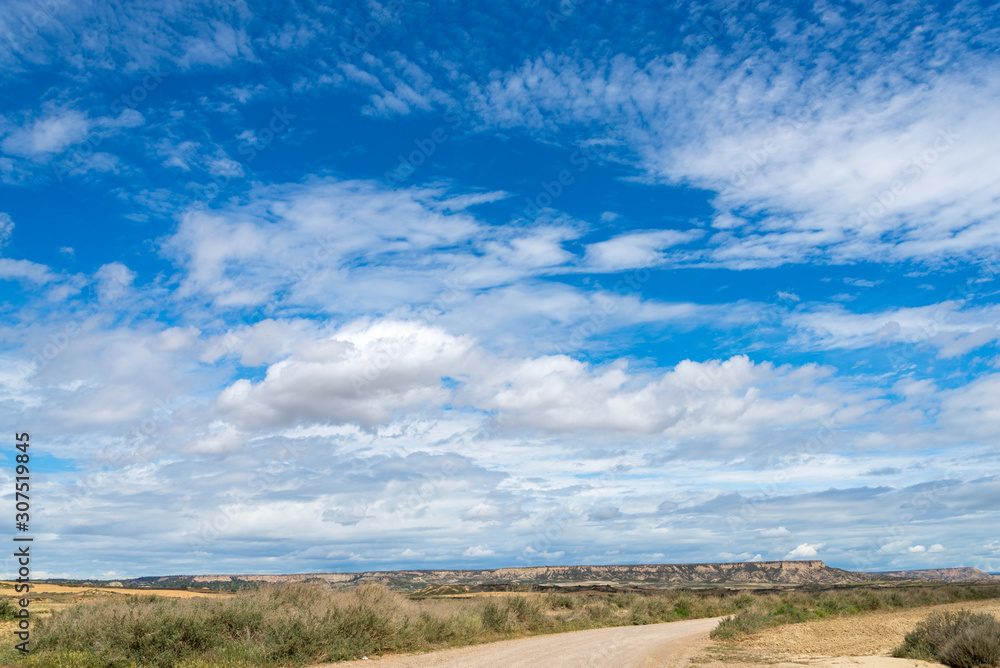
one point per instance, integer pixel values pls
(669, 644)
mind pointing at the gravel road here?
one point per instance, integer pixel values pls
(649, 646)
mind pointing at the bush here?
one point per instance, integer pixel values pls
(962, 640)
(7, 610)
(494, 617)
(683, 608)
(747, 621)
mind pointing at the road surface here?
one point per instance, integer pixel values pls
(655, 645)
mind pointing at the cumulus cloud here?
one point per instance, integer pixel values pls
(364, 373)
(479, 551)
(719, 397)
(805, 551)
(113, 281)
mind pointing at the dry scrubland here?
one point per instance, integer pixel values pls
(869, 640)
(302, 624)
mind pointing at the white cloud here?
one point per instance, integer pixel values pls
(805, 551)
(916, 549)
(741, 557)
(635, 249)
(488, 512)
(364, 373)
(113, 281)
(25, 270)
(947, 326)
(788, 296)
(479, 551)
(728, 399)
(48, 135)
(779, 532)
(6, 228)
(225, 166)
(895, 547)
(306, 240)
(817, 167)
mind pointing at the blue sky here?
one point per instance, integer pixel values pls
(292, 287)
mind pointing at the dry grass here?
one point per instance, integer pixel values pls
(962, 639)
(303, 623)
(306, 623)
(788, 608)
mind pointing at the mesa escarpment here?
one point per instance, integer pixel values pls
(724, 575)
(760, 573)
(946, 574)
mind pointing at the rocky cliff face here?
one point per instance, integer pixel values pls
(947, 574)
(650, 575)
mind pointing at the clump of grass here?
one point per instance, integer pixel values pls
(7, 610)
(745, 622)
(963, 640)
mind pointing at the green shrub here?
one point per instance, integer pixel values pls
(494, 617)
(526, 612)
(747, 621)
(683, 608)
(562, 601)
(962, 640)
(7, 610)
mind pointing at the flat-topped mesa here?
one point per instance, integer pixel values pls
(752, 573)
(961, 574)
